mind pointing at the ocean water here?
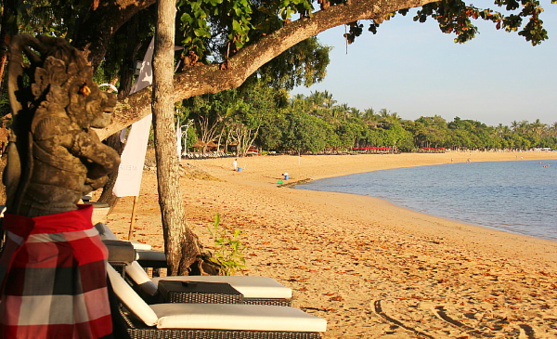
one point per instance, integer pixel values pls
(515, 196)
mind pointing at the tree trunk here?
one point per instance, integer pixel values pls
(181, 246)
(8, 28)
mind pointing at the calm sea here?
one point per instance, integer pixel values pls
(514, 196)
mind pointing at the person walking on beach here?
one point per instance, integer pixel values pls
(235, 164)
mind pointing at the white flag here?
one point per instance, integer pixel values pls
(133, 157)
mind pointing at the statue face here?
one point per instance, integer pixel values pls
(101, 110)
(95, 107)
(86, 105)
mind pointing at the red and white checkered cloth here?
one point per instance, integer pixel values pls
(53, 278)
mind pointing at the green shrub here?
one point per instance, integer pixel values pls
(229, 249)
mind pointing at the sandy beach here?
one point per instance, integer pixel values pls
(372, 269)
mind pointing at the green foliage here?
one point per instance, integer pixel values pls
(307, 133)
(204, 19)
(51, 17)
(183, 119)
(191, 136)
(315, 123)
(229, 249)
(301, 65)
(455, 16)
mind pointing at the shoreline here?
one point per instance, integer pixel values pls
(430, 212)
(354, 260)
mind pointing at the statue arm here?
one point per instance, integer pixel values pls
(55, 132)
(99, 158)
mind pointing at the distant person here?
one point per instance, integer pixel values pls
(285, 175)
(235, 164)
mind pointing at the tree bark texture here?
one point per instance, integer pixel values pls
(181, 246)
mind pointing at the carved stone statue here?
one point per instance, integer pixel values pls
(54, 157)
(53, 263)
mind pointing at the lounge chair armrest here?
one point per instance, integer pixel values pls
(120, 251)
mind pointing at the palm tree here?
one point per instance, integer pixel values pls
(370, 118)
(538, 128)
(514, 125)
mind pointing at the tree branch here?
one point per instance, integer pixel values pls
(211, 79)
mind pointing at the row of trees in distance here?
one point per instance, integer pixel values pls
(269, 119)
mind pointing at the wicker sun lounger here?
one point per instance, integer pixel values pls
(187, 320)
(255, 290)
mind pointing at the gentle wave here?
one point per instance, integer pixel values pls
(514, 196)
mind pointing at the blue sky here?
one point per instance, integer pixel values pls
(415, 70)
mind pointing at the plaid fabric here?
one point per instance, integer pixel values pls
(54, 278)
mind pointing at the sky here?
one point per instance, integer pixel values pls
(415, 70)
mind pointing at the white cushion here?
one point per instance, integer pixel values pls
(250, 287)
(140, 277)
(131, 299)
(151, 255)
(237, 317)
(140, 246)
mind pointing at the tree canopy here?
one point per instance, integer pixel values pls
(226, 41)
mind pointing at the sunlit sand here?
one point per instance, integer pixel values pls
(372, 269)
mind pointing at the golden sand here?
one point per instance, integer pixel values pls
(372, 269)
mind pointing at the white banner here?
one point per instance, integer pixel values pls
(131, 166)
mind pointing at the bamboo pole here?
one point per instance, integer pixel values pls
(132, 222)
